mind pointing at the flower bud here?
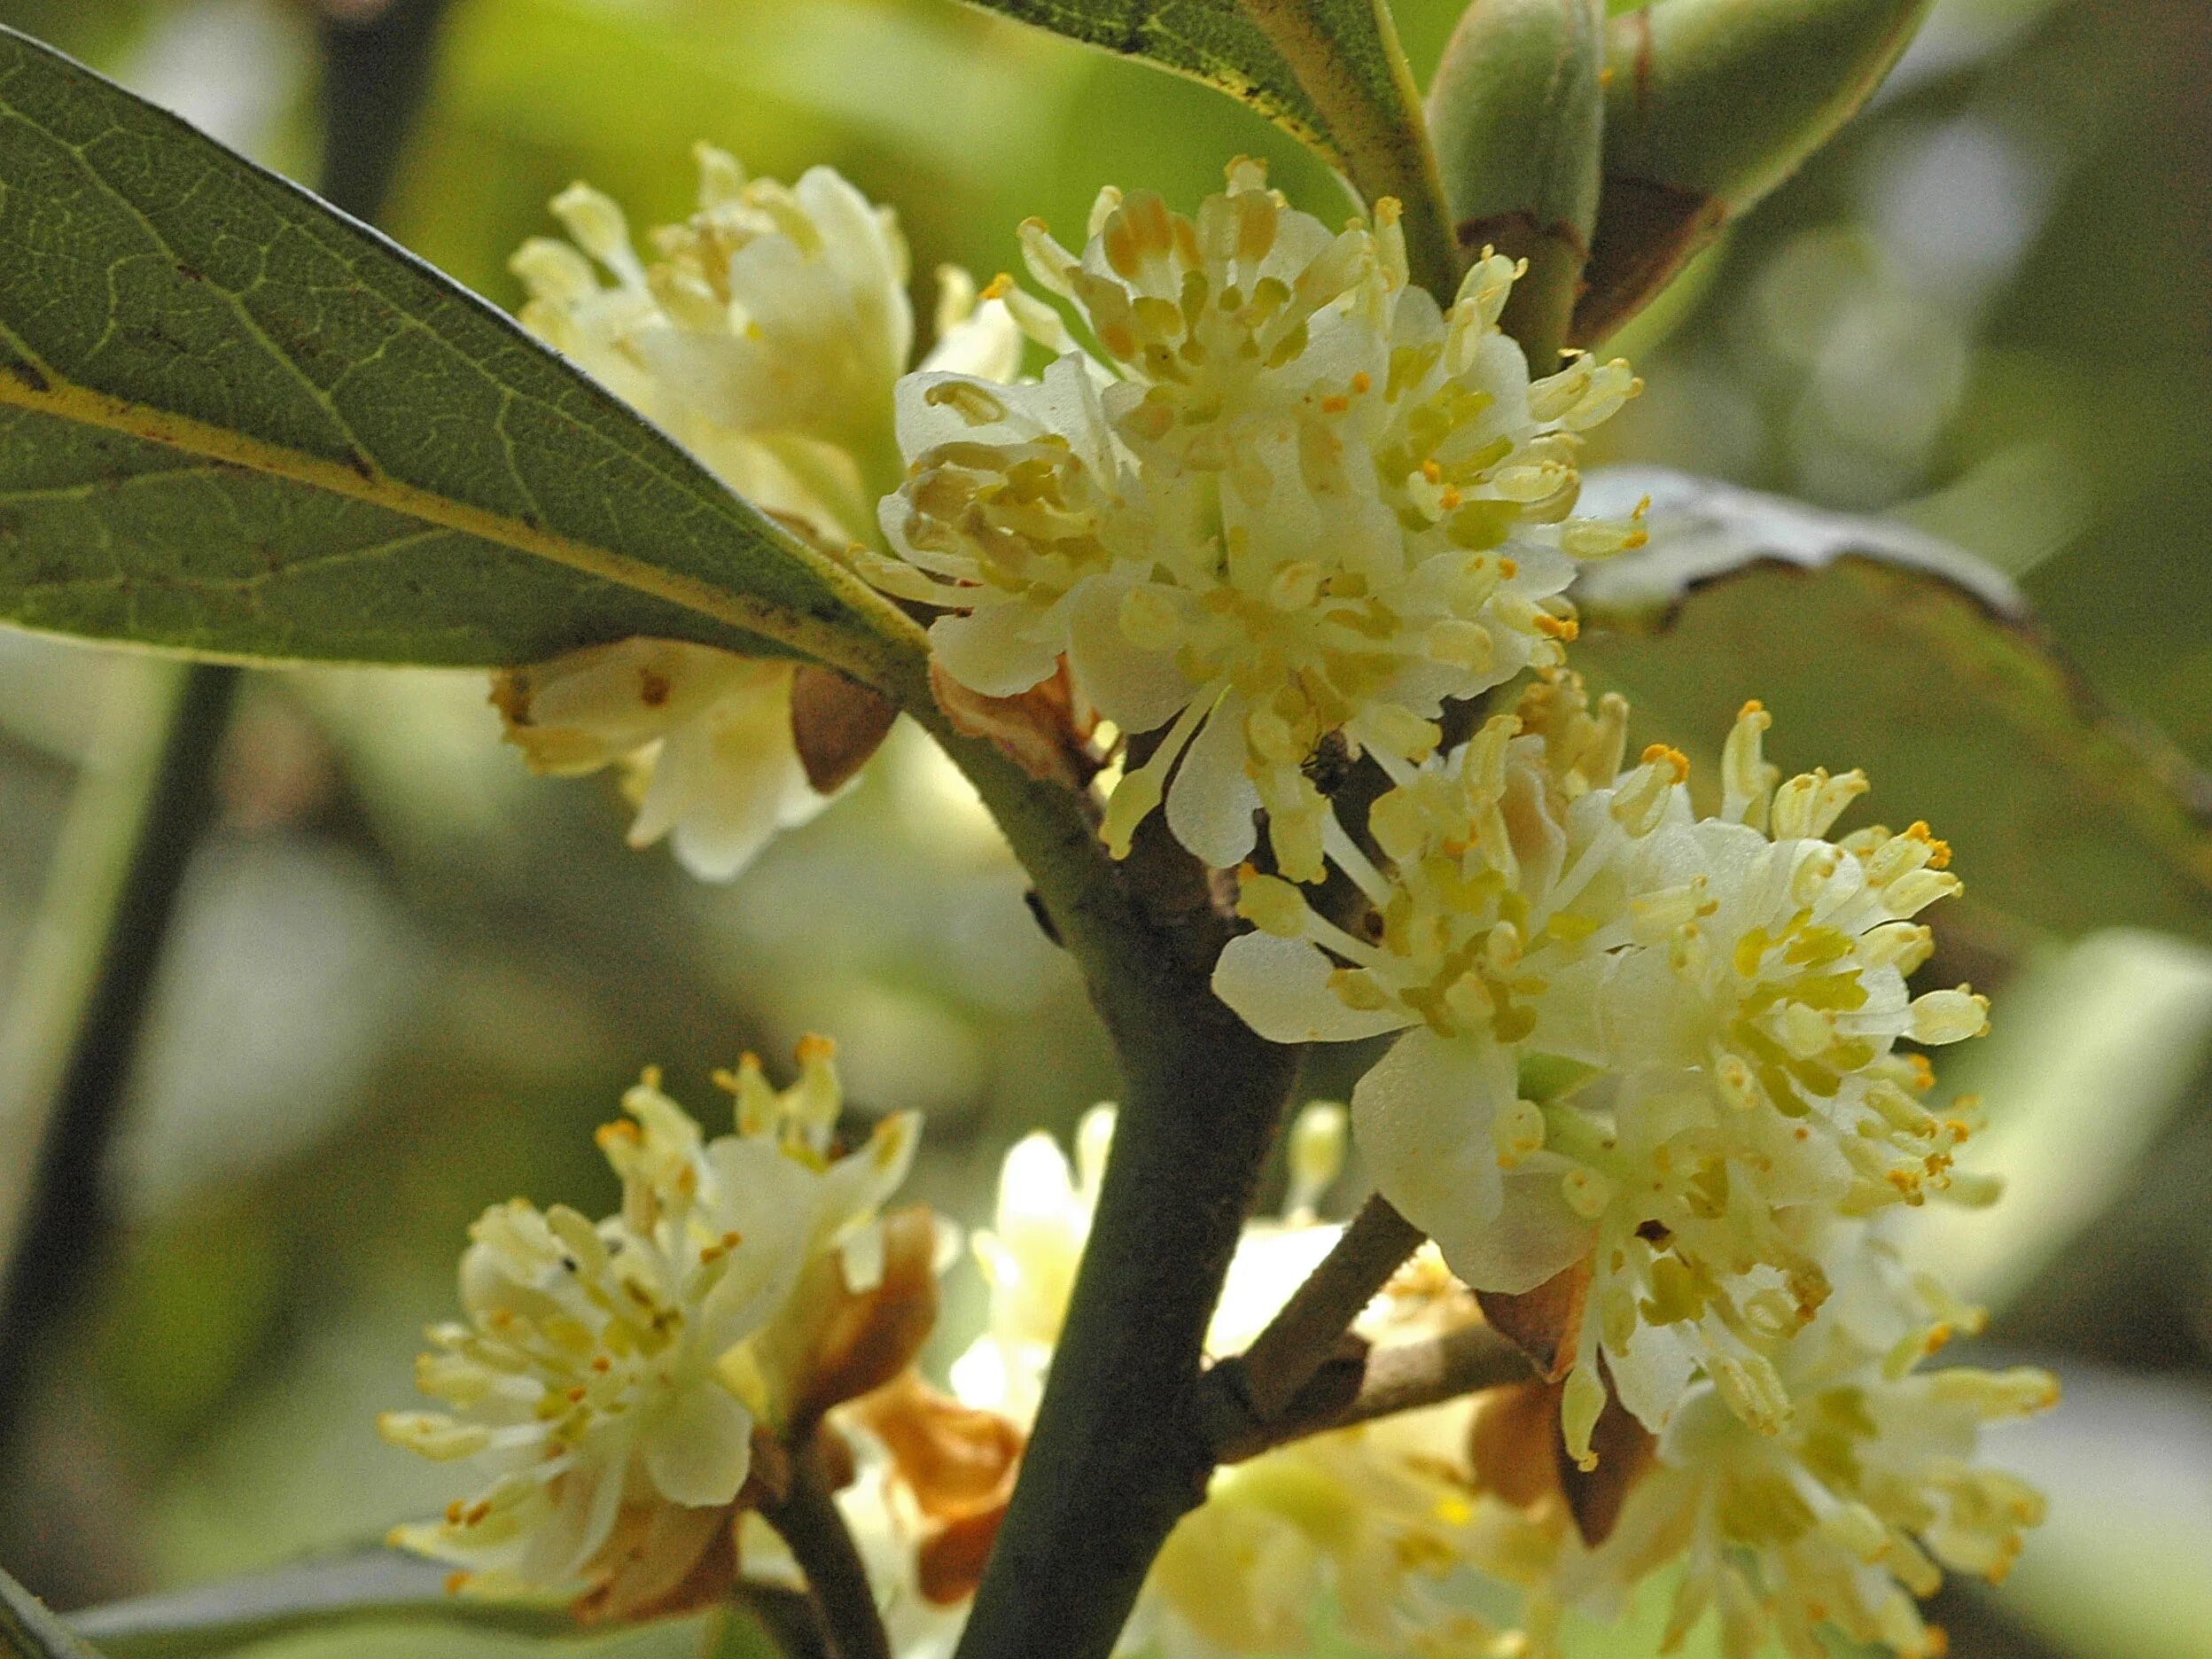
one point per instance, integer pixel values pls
(1515, 113)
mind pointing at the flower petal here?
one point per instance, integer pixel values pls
(990, 650)
(1280, 988)
(700, 1451)
(1422, 1120)
(1211, 801)
(1534, 1236)
(1136, 689)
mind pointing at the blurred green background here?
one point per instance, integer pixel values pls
(407, 978)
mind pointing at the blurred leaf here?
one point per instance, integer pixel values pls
(2089, 1055)
(28, 1631)
(238, 423)
(1877, 646)
(1330, 71)
(373, 1585)
(1701, 528)
(2117, 1569)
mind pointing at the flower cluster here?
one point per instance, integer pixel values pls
(1379, 1512)
(1650, 1056)
(612, 1378)
(766, 337)
(1843, 1516)
(1289, 503)
(1655, 1077)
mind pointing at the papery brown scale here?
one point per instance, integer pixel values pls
(958, 1462)
(1510, 1442)
(871, 1336)
(663, 1559)
(837, 725)
(1624, 1450)
(1544, 1322)
(950, 1566)
(1046, 730)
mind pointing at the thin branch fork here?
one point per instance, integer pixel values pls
(1258, 1386)
(1396, 1377)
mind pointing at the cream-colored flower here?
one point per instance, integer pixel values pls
(1849, 1512)
(1295, 504)
(610, 1376)
(1376, 1513)
(1029, 1256)
(767, 338)
(706, 737)
(1660, 1043)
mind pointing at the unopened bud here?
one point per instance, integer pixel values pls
(1514, 113)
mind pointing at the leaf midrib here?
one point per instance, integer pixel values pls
(888, 655)
(27, 382)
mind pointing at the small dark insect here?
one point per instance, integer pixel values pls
(1330, 764)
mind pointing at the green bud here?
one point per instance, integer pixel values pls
(1515, 115)
(1710, 105)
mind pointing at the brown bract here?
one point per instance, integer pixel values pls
(1518, 1455)
(959, 1464)
(1543, 1322)
(1046, 730)
(867, 1338)
(836, 724)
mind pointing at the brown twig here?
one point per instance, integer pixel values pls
(1397, 1377)
(1252, 1390)
(807, 1519)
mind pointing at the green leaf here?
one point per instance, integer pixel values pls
(382, 1587)
(2090, 1052)
(1331, 72)
(1710, 105)
(371, 1586)
(1878, 647)
(236, 423)
(28, 1631)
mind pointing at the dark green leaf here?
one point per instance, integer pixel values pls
(370, 1586)
(374, 1587)
(1877, 647)
(28, 1631)
(1330, 71)
(234, 422)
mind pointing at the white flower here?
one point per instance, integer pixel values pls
(1658, 1043)
(706, 737)
(1028, 1256)
(767, 338)
(1847, 1515)
(1376, 1512)
(611, 1377)
(1295, 504)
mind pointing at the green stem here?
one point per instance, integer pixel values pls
(1373, 112)
(807, 1519)
(88, 977)
(1283, 1358)
(1120, 1452)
